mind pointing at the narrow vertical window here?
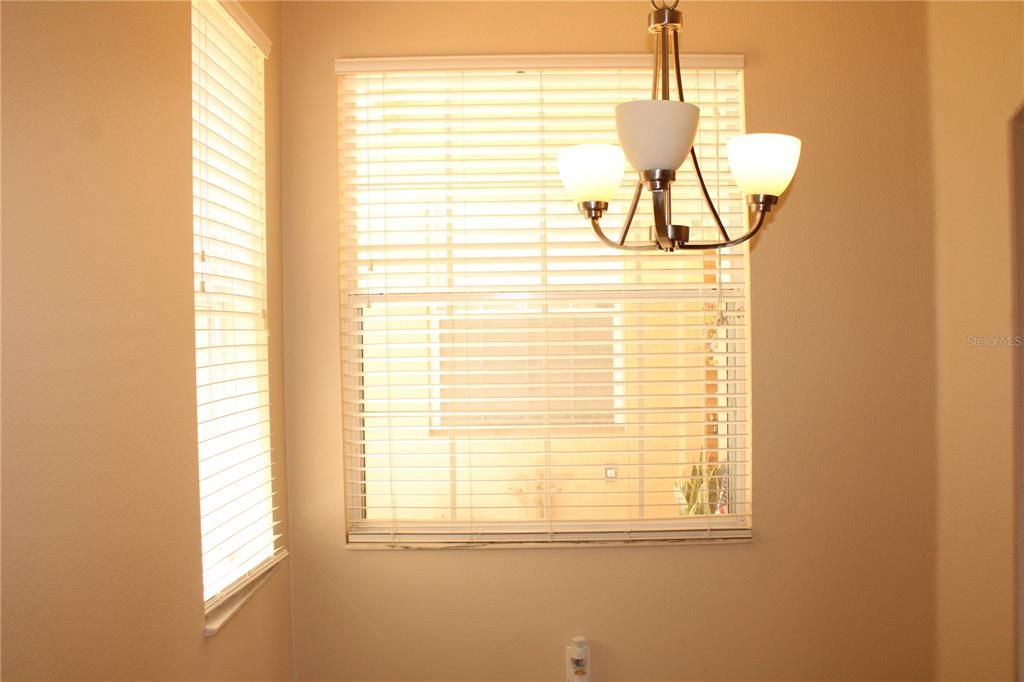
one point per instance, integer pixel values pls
(229, 237)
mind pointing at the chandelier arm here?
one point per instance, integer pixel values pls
(693, 150)
(596, 224)
(632, 211)
(707, 195)
(761, 215)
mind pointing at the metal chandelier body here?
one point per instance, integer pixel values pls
(656, 136)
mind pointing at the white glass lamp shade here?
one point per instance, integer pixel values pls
(591, 172)
(656, 134)
(763, 163)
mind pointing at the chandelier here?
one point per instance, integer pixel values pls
(656, 136)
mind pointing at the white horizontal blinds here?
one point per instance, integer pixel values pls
(505, 376)
(229, 228)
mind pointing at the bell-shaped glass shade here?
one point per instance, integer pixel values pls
(656, 134)
(591, 172)
(763, 163)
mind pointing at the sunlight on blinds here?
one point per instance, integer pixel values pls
(507, 378)
(229, 236)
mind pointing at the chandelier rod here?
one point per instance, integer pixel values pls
(666, 94)
(656, 67)
(693, 149)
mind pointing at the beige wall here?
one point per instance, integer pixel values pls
(870, 559)
(101, 548)
(975, 83)
(839, 582)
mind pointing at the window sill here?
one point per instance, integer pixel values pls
(218, 615)
(370, 546)
(368, 540)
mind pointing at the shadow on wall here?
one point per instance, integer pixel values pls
(1017, 136)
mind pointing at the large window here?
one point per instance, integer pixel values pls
(229, 236)
(507, 378)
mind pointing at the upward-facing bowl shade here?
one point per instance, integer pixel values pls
(656, 134)
(763, 163)
(591, 172)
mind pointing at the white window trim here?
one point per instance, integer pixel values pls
(223, 607)
(542, 534)
(249, 25)
(220, 608)
(536, 61)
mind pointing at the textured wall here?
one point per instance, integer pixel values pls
(975, 81)
(101, 543)
(839, 580)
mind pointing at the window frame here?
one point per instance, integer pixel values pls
(362, 534)
(223, 27)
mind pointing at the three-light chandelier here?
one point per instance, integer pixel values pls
(656, 135)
